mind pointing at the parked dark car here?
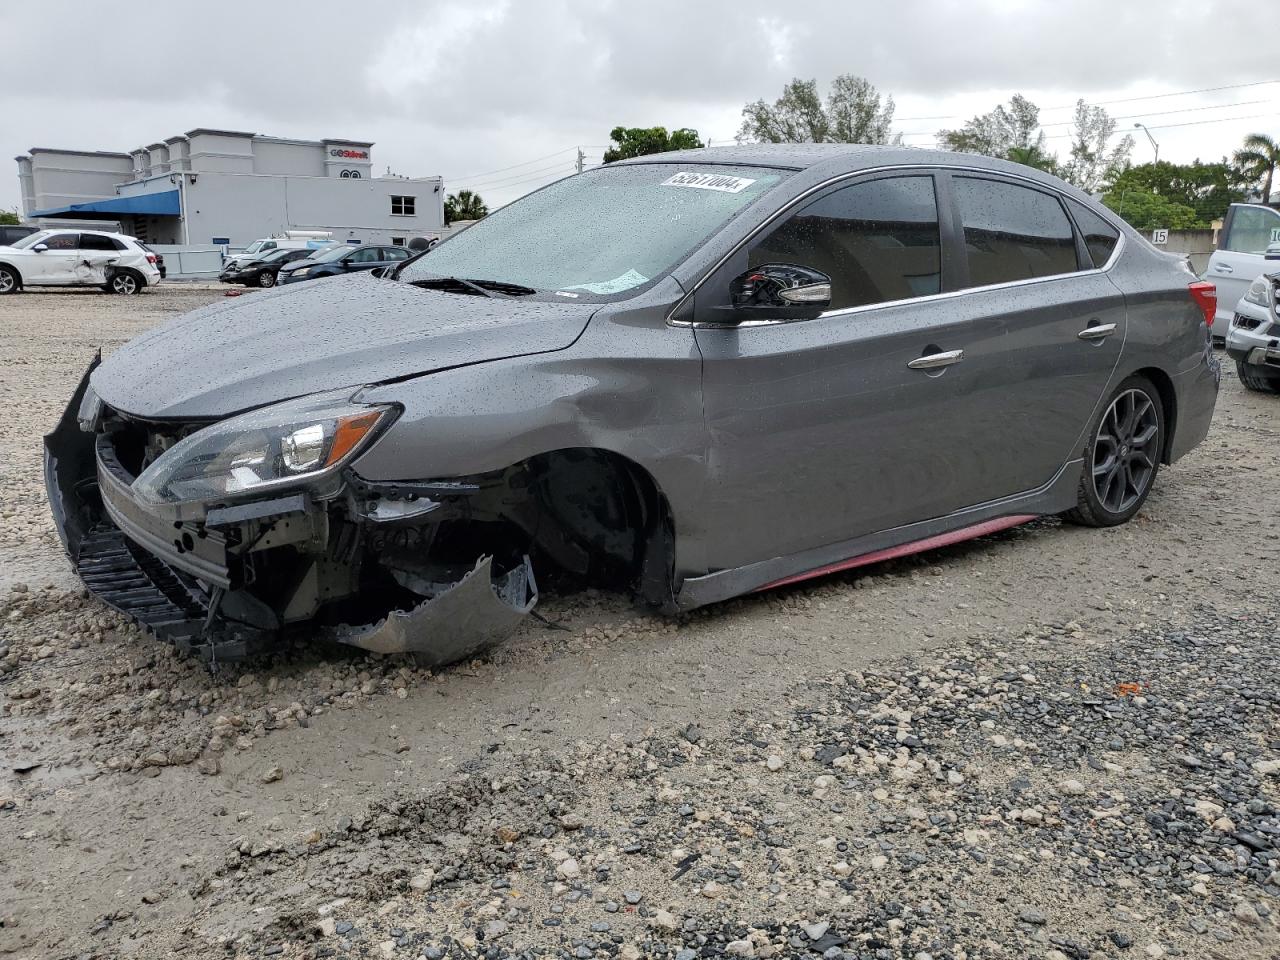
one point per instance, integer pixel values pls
(263, 271)
(11, 232)
(692, 375)
(336, 260)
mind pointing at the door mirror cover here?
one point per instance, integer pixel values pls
(783, 291)
(40, 247)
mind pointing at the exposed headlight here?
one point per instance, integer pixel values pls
(1259, 292)
(298, 442)
(299, 271)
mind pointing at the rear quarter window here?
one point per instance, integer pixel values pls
(1100, 237)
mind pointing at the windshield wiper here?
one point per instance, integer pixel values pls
(484, 288)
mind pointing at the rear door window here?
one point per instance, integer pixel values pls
(1253, 228)
(878, 241)
(90, 241)
(1012, 232)
(1100, 237)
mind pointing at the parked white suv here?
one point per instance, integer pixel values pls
(77, 258)
(1247, 231)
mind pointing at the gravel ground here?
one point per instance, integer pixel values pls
(1048, 743)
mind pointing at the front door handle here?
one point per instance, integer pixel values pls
(931, 361)
(1099, 331)
(1223, 268)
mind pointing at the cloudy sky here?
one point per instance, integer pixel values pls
(497, 95)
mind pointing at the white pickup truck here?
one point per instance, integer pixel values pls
(1247, 231)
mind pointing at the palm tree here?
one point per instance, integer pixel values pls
(1034, 156)
(464, 205)
(1258, 159)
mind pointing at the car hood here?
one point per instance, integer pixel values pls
(324, 335)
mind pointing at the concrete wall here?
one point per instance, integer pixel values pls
(221, 152)
(290, 157)
(1197, 244)
(62, 177)
(243, 209)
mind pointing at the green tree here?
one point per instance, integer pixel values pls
(854, 112)
(1034, 156)
(9, 217)
(464, 205)
(1206, 189)
(1000, 132)
(1093, 161)
(1150, 211)
(1258, 159)
(642, 141)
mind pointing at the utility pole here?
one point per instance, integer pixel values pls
(1155, 146)
(578, 164)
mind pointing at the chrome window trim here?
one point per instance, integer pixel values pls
(926, 298)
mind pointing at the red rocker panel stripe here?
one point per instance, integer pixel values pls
(906, 549)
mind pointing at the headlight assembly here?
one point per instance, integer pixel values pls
(298, 442)
(1259, 292)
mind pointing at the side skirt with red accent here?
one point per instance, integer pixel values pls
(906, 549)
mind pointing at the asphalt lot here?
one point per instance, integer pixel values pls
(1051, 742)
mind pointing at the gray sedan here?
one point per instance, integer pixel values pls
(690, 376)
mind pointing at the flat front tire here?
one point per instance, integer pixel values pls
(1121, 456)
(1254, 380)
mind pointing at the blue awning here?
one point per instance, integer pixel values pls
(166, 204)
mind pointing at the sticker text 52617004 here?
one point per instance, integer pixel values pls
(708, 181)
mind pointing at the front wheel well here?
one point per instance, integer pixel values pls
(1168, 400)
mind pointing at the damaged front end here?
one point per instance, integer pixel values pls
(225, 538)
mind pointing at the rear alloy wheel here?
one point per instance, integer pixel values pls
(1122, 456)
(126, 282)
(1247, 373)
(8, 281)
(266, 279)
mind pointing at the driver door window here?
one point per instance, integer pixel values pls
(57, 263)
(878, 241)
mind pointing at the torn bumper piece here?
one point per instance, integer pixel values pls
(459, 621)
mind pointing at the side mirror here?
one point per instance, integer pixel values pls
(780, 291)
(1273, 252)
(40, 247)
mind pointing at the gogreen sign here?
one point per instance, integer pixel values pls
(349, 154)
(1160, 237)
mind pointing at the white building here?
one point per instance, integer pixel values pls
(227, 188)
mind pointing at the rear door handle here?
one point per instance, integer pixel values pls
(931, 361)
(1223, 268)
(1099, 331)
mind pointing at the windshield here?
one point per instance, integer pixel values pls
(254, 247)
(30, 241)
(275, 255)
(603, 232)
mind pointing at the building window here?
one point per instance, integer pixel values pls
(398, 241)
(402, 206)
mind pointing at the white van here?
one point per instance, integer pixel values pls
(292, 240)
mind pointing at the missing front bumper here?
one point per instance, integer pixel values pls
(459, 621)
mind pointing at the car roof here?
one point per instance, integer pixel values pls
(835, 158)
(96, 233)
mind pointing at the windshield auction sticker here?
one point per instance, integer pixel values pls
(708, 181)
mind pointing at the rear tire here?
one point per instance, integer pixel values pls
(1121, 456)
(9, 282)
(266, 279)
(126, 283)
(1253, 380)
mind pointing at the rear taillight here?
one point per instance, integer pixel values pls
(1205, 294)
(151, 258)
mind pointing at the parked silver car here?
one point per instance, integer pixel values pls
(1253, 339)
(693, 375)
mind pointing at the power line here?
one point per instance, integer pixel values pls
(477, 176)
(1132, 116)
(1103, 103)
(488, 183)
